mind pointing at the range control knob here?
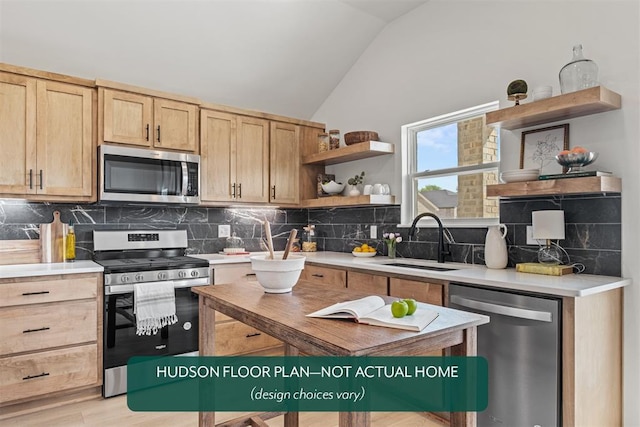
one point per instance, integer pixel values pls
(182, 274)
(194, 273)
(125, 279)
(162, 276)
(139, 277)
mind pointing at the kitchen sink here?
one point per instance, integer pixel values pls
(422, 267)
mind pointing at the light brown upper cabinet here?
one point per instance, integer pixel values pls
(147, 121)
(234, 158)
(46, 129)
(284, 163)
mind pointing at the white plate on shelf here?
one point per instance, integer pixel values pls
(363, 254)
(519, 175)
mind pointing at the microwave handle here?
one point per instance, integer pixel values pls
(185, 178)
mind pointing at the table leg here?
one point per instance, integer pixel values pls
(291, 418)
(468, 347)
(206, 347)
(354, 419)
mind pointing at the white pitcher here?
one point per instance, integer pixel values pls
(495, 247)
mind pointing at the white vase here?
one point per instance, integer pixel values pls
(495, 247)
(353, 190)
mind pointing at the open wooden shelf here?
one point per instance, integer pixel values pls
(361, 150)
(554, 187)
(343, 201)
(575, 104)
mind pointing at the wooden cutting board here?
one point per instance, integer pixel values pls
(52, 239)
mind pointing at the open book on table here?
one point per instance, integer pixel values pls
(373, 310)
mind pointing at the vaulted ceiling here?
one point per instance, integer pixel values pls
(279, 56)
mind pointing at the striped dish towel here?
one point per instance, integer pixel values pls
(154, 306)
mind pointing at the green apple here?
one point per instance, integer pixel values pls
(399, 308)
(412, 304)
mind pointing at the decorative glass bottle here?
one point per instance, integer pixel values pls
(309, 243)
(334, 139)
(580, 73)
(70, 244)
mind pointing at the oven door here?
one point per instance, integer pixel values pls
(138, 175)
(121, 341)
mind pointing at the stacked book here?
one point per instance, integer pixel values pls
(574, 175)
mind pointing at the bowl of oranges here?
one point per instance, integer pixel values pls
(576, 158)
(364, 251)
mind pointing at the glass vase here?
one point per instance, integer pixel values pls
(580, 73)
(391, 249)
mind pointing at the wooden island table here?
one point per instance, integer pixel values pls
(283, 316)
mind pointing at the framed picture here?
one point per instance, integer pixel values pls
(539, 148)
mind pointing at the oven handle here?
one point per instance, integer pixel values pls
(125, 289)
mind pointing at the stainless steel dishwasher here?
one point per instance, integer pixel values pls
(523, 349)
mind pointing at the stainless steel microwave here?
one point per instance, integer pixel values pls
(148, 176)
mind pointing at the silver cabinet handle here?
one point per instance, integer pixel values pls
(520, 313)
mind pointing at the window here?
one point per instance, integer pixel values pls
(447, 162)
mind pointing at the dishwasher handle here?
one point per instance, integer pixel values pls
(504, 310)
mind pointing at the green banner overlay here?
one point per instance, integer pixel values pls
(310, 383)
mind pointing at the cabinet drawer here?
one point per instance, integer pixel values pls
(47, 372)
(39, 290)
(324, 276)
(236, 338)
(234, 273)
(35, 327)
(368, 283)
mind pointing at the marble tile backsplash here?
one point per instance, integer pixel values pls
(593, 228)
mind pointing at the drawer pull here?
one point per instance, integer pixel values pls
(35, 293)
(254, 334)
(317, 275)
(30, 377)
(36, 330)
(250, 274)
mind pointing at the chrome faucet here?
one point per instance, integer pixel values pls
(441, 249)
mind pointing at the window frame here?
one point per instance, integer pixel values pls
(409, 153)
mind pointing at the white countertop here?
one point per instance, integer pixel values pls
(48, 269)
(571, 285)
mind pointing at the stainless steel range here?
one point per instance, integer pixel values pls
(151, 256)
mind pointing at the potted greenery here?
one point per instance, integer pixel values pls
(354, 182)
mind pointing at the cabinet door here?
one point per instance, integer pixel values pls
(217, 158)
(431, 293)
(175, 125)
(17, 134)
(127, 117)
(368, 283)
(64, 135)
(284, 163)
(252, 160)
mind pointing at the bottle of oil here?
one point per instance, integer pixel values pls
(70, 244)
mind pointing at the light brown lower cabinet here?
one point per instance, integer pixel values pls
(431, 293)
(233, 337)
(50, 341)
(369, 283)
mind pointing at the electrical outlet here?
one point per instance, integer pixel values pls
(530, 239)
(374, 231)
(224, 230)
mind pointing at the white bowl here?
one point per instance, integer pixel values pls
(332, 187)
(277, 276)
(363, 254)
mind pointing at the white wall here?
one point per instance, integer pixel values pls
(450, 55)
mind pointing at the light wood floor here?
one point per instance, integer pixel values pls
(114, 412)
